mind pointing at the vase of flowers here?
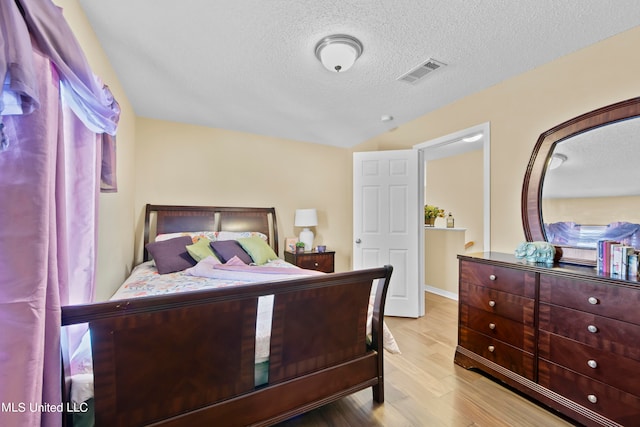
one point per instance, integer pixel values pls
(431, 213)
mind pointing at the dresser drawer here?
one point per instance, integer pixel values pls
(317, 262)
(614, 404)
(618, 302)
(320, 261)
(510, 280)
(603, 333)
(499, 352)
(617, 371)
(498, 327)
(503, 304)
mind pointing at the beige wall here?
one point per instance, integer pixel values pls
(193, 165)
(592, 210)
(116, 220)
(520, 109)
(456, 185)
(441, 246)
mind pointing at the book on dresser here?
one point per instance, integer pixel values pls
(627, 251)
(613, 258)
(604, 255)
(616, 259)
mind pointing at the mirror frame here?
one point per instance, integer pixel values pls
(531, 200)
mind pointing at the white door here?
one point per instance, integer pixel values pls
(387, 224)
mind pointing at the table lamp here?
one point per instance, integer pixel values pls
(306, 218)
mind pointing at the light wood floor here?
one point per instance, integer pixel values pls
(423, 387)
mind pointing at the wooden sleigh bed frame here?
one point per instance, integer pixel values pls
(188, 359)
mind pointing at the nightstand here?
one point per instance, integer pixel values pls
(321, 261)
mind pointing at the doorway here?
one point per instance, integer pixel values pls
(459, 144)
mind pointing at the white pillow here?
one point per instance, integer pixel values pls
(195, 235)
(235, 235)
(212, 235)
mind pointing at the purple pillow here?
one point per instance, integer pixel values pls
(171, 255)
(227, 249)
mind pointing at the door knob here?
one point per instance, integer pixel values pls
(358, 241)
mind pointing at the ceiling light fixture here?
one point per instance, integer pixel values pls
(557, 160)
(338, 52)
(472, 138)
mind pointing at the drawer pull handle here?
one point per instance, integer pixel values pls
(492, 277)
(592, 328)
(492, 303)
(593, 300)
(315, 263)
(491, 348)
(592, 364)
(492, 326)
(592, 398)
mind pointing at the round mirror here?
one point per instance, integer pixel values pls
(583, 183)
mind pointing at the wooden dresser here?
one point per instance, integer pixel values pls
(564, 335)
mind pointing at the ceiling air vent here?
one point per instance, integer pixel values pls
(421, 71)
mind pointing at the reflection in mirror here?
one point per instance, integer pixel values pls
(591, 189)
(582, 182)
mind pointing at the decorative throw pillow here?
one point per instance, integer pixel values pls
(200, 249)
(257, 249)
(171, 255)
(227, 249)
(203, 268)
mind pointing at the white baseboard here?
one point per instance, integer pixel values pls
(441, 292)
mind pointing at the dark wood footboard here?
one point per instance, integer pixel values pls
(188, 359)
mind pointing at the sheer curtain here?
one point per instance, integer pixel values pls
(53, 112)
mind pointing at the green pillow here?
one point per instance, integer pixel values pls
(259, 251)
(200, 249)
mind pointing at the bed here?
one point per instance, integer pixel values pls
(231, 350)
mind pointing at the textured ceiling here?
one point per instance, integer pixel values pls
(600, 163)
(250, 66)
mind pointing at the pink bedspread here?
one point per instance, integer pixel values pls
(237, 270)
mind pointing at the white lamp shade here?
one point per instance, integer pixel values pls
(306, 218)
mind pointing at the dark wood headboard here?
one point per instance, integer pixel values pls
(160, 219)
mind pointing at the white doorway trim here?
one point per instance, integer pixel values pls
(450, 145)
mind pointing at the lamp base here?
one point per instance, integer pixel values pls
(306, 237)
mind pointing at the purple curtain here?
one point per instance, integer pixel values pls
(32, 248)
(53, 112)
